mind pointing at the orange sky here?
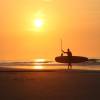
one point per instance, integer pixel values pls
(77, 22)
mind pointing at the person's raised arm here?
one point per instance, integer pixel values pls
(64, 51)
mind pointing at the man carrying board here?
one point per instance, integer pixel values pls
(69, 54)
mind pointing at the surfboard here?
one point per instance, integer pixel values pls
(74, 59)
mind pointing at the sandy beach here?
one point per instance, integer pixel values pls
(50, 85)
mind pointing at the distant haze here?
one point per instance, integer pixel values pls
(77, 22)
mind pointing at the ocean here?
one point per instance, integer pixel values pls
(49, 65)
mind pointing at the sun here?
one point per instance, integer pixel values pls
(38, 23)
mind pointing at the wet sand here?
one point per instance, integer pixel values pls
(49, 85)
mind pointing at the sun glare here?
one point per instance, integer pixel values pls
(38, 67)
(40, 60)
(38, 23)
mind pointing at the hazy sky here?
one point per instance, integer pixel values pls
(77, 22)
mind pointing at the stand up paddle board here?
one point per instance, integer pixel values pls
(75, 59)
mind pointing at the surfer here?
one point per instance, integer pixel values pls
(69, 54)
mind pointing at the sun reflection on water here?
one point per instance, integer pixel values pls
(40, 67)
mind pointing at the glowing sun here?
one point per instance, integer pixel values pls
(38, 23)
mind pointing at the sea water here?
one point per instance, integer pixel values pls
(48, 66)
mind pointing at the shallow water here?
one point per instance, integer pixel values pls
(49, 66)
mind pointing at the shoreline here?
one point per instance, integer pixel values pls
(48, 70)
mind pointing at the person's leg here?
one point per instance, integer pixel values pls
(70, 62)
(70, 66)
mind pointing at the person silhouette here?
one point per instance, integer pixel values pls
(69, 54)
